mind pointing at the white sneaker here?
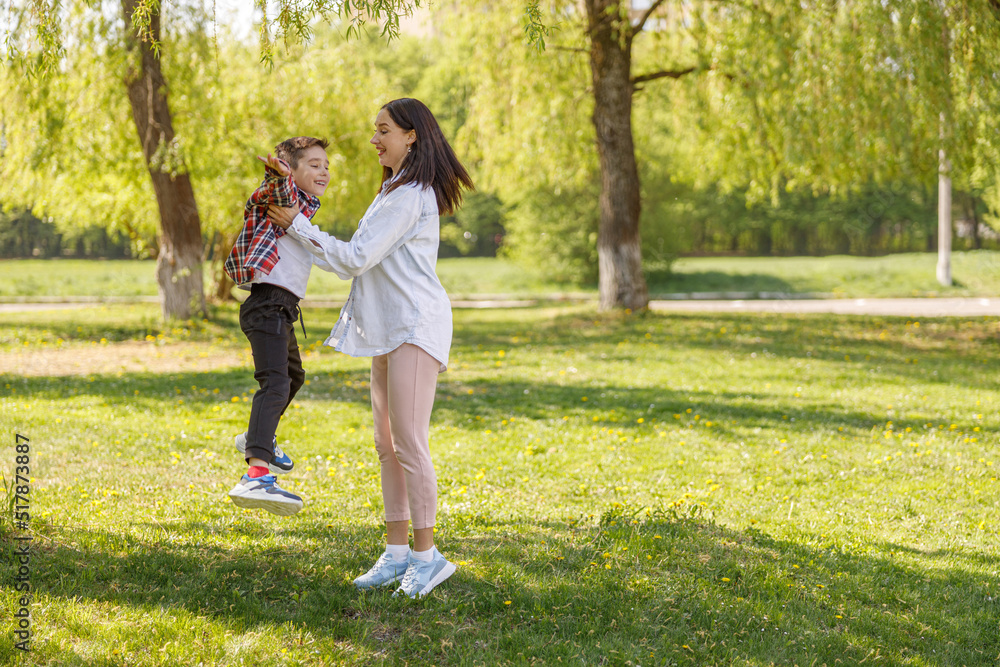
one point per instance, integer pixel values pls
(387, 570)
(421, 578)
(264, 493)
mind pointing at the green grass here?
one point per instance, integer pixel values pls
(663, 489)
(76, 277)
(975, 273)
(136, 278)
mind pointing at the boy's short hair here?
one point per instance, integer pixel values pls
(289, 150)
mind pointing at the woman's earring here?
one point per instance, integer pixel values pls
(409, 148)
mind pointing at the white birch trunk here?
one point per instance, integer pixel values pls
(944, 220)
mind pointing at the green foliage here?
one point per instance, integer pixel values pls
(555, 226)
(71, 151)
(527, 134)
(23, 235)
(476, 229)
(810, 95)
(786, 138)
(679, 219)
(462, 277)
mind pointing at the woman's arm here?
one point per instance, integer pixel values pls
(381, 235)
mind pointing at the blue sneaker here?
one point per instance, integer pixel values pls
(421, 578)
(264, 493)
(280, 464)
(387, 570)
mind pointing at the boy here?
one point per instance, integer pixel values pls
(275, 269)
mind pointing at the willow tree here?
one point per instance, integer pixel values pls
(832, 97)
(827, 96)
(39, 58)
(536, 117)
(763, 96)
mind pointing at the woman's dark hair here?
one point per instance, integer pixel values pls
(431, 161)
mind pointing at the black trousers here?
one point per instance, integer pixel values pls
(267, 318)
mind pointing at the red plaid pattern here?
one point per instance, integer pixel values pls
(255, 249)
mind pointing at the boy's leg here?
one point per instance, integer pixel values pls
(267, 330)
(296, 374)
(264, 323)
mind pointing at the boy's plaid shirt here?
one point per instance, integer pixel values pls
(255, 248)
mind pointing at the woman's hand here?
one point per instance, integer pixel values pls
(276, 164)
(282, 217)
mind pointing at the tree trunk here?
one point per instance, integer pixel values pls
(944, 221)
(221, 247)
(178, 264)
(619, 253)
(944, 176)
(973, 218)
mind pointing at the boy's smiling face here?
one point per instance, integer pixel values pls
(313, 172)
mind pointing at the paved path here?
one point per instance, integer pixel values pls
(949, 307)
(25, 307)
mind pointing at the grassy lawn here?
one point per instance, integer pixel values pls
(974, 273)
(906, 275)
(664, 489)
(136, 278)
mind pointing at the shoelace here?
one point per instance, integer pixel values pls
(379, 564)
(410, 575)
(382, 561)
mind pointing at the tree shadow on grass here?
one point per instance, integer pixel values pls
(841, 338)
(149, 389)
(942, 351)
(797, 339)
(731, 412)
(651, 588)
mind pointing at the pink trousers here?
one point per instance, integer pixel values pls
(403, 386)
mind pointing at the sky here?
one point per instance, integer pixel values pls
(237, 15)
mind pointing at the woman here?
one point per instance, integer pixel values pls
(399, 314)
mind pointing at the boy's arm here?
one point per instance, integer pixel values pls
(278, 186)
(276, 164)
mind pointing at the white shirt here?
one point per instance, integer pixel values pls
(396, 296)
(291, 270)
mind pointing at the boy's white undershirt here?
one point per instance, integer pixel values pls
(292, 270)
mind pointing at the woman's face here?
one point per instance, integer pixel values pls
(391, 141)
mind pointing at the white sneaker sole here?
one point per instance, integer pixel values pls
(272, 505)
(390, 582)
